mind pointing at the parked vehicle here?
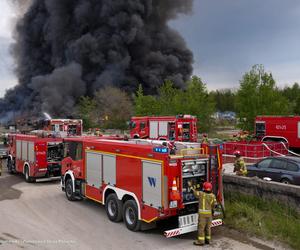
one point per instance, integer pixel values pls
(139, 181)
(34, 156)
(280, 169)
(279, 128)
(177, 128)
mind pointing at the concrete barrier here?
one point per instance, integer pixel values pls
(268, 190)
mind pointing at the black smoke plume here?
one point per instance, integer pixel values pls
(68, 48)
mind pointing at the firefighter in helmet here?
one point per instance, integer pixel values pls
(239, 164)
(205, 139)
(207, 202)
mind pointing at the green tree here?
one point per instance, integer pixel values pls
(199, 103)
(258, 95)
(168, 98)
(224, 99)
(145, 105)
(85, 109)
(293, 95)
(113, 108)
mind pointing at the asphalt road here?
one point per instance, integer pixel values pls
(38, 216)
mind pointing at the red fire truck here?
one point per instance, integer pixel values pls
(178, 128)
(141, 182)
(65, 127)
(279, 128)
(35, 157)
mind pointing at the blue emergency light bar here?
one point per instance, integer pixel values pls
(160, 150)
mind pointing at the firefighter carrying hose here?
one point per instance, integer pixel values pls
(239, 164)
(207, 202)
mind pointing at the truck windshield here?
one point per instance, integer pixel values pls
(73, 150)
(132, 124)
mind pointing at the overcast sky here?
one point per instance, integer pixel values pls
(227, 38)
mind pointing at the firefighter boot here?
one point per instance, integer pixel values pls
(198, 243)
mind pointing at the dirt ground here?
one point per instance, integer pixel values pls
(38, 216)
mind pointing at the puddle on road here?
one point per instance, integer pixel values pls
(7, 192)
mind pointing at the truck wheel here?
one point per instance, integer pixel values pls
(27, 176)
(113, 208)
(130, 216)
(69, 190)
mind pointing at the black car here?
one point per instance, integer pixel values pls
(282, 169)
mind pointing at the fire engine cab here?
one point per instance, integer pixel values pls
(279, 128)
(141, 181)
(178, 128)
(34, 156)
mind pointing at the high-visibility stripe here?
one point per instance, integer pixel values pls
(205, 212)
(207, 237)
(123, 155)
(201, 238)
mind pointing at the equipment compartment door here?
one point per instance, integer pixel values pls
(163, 129)
(153, 130)
(31, 152)
(24, 150)
(298, 130)
(109, 169)
(94, 169)
(152, 186)
(19, 150)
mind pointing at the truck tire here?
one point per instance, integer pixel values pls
(70, 194)
(28, 179)
(113, 208)
(130, 216)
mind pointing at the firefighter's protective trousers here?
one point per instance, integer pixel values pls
(240, 167)
(207, 201)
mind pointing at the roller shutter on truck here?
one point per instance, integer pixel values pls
(152, 184)
(100, 167)
(109, 169)
(19, 149)
(94, 169)
(163, 129)
(153, 129)
(31, 157)
(24, 150)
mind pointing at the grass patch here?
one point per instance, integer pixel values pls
(268, 219)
